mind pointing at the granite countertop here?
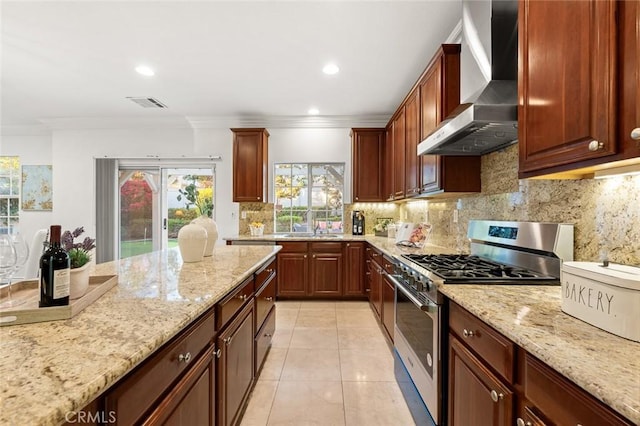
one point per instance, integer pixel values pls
(603, 364)
(48, 369)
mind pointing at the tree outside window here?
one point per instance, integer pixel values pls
(9, 192)
(308, 196)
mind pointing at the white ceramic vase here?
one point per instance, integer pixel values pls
(78, 282)
(212, 232)
(192, 241)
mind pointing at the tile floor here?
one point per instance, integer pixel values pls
(329, 365)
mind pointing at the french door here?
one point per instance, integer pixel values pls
(153, 205)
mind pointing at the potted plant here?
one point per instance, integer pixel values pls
(79, 256)
(204, 206)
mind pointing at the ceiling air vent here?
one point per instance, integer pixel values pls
(147, 102)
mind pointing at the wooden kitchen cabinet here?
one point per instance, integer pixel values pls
(376, 272)
(191, 400)
(412, 136)
(475, 392)
(293, 271)
(354, 282)
(235, 367)
(167, 379)
(389, 162)
(250, 165)
(399, 155)
(557, 401)
(326, 269)
(629, 79)
(367, 157)
(439, 90)
(566, 84)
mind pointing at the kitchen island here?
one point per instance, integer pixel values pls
(50, 369)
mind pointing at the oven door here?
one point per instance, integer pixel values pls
(416, 340)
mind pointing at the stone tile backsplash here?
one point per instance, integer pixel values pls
(606, 212)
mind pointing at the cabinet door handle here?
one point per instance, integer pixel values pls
(184, 357)
(228, 340)
(314, 256)
(595, 145)
(635, 134)
(257, 198)
(495, 396)
(348, 245)
(468, 333)
(357, 198)
(305, 256)
(268, 299)
(218, 353)
(267, 335)
(520, 422)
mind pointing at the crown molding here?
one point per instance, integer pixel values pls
(290, 121)
(25, 130)
(98, 123)
(456, 34)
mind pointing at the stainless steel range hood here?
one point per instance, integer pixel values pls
(487, 118)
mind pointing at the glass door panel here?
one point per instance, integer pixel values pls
(139, 198)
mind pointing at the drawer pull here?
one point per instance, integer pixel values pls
(367, 290)
(520, 422)
(595, 145)
(227, 341)
(184, 357)
(468, 333)
(495, 396)
(635, 134)
(267, 335)
(242, 297)
(218, 353)
(268, 299)
(305, 256)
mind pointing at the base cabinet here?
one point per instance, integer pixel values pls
(354, 283)
(235, 366)
(326, 270)
(475, 392)
(190, 402)
(388, 306)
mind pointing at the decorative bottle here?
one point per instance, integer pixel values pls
(55, 272)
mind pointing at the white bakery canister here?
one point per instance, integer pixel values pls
(607, 297)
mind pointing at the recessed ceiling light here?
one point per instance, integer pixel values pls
(145, 70)
(330, 69)
(313, 111)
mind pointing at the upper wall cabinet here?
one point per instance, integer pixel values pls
(439, 89)
(578, 65)
(367, 153)
(388, 162)
(250, 164)
(412, 135)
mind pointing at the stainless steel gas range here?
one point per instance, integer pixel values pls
(507, 253)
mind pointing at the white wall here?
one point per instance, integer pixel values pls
(72, 154)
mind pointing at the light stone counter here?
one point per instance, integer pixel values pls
(605, 365)
(49, 369)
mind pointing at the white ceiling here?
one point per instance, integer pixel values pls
(215, 60)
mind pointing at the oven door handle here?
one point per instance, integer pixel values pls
(428, 307)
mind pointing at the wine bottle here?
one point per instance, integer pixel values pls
(54, 272)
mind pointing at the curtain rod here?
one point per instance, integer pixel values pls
(160, 158)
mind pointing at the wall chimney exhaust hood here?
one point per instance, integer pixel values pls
(487, 118)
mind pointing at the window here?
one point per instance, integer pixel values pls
(9, 192)
(308, 197)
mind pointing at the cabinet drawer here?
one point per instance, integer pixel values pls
(293, 247)
(263, 339)
(265, 272)
(376, 256)
(138, 392)
(387, 265)
(265, 300)
(561, 401)
(326, 247)
(233, 302)
(493, 347)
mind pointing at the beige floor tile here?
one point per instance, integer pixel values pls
(359, 365)
(314, 338)
(311, 365)
(355, 318)
(352, 305)
(260, 401)
(370, 338)
(316, 318)
(375, 403)
(308, 403)
(273, 364)
(281, 338)
(286, 318)
(288, 305)
(313, 305)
